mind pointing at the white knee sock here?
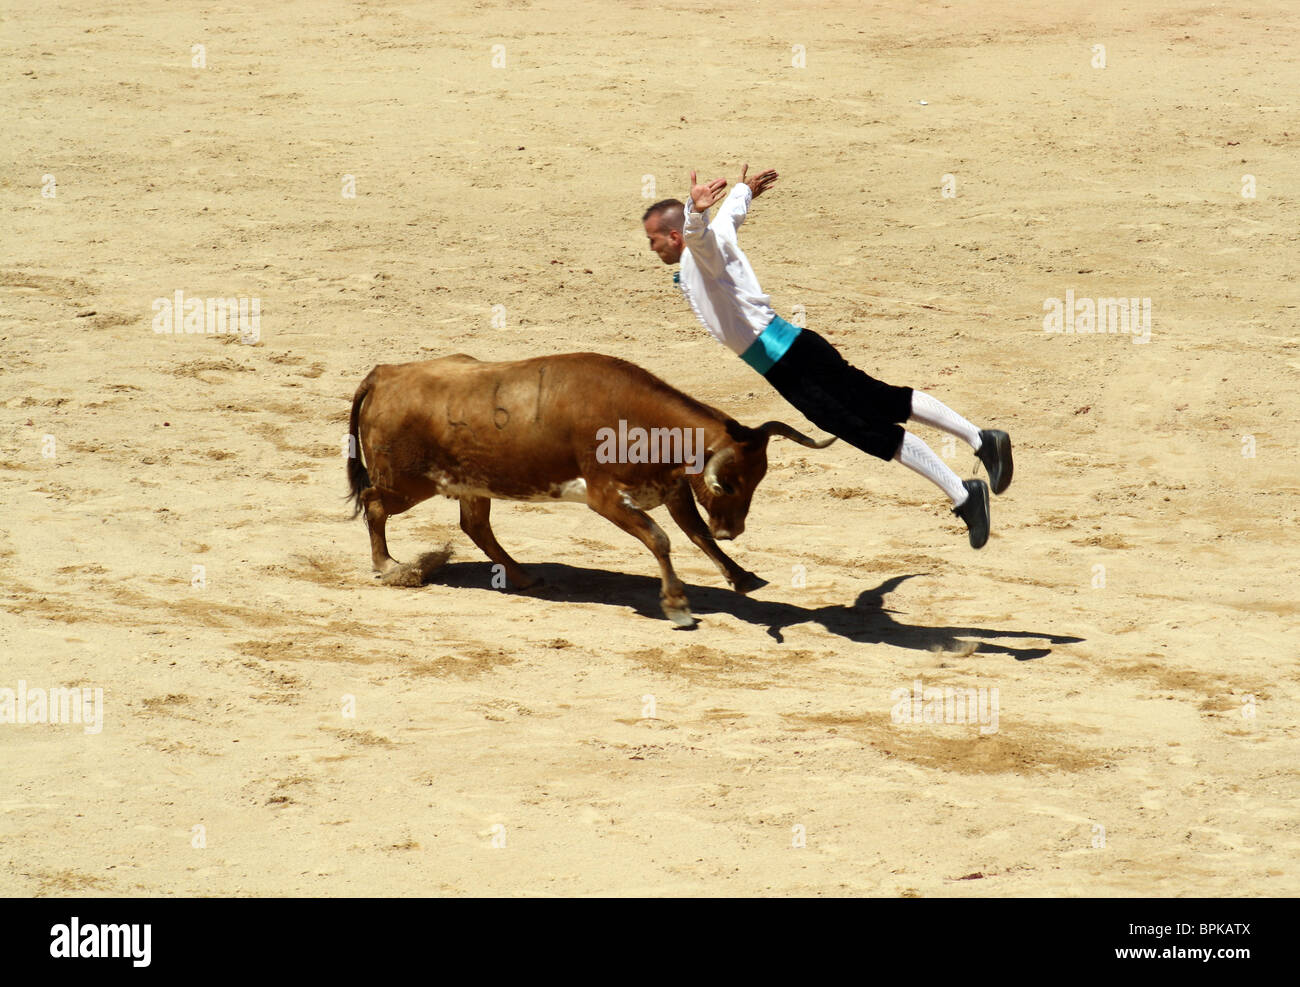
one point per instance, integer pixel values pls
(936, 414)
(917, 456)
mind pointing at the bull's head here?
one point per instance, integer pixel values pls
(733, 470)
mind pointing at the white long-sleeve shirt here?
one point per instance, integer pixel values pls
(715, 275)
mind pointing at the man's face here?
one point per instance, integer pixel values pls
(665, 242)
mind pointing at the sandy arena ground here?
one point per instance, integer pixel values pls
(1136, 602)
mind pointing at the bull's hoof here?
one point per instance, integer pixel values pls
(747, 582)
(530, 582)
(680, 616)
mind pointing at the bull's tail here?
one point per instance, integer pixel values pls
(358, 478)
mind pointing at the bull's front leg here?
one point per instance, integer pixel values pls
(681, 505)
(607, 501)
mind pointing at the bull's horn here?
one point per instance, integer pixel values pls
(770, 429)
(716, 486)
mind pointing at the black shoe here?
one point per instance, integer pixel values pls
(975, 511)
(995, 454)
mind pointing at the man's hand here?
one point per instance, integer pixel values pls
(704, 196)
(761, 182)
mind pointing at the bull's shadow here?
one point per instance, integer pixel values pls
(867, 620)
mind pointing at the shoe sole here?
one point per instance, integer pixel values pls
(983, 493)
(1002, 454)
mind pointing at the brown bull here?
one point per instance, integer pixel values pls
(576, 426)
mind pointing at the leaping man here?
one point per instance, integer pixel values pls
(717, 281)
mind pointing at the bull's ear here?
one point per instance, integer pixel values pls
(750, 439)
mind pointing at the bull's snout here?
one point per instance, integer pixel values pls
(726, 532)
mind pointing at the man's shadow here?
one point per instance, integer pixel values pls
(867, 620)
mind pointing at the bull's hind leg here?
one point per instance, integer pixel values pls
(681, 505)
(608, 502)
(372, 503)
(474, 522)
(379, 506)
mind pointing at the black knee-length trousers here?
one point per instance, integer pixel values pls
(838, 397)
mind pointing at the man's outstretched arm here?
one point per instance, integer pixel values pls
(736, 208)
(700, 240)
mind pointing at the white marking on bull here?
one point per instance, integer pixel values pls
(643, 498)
(574, 490)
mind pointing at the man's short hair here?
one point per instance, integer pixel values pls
(672, 211)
